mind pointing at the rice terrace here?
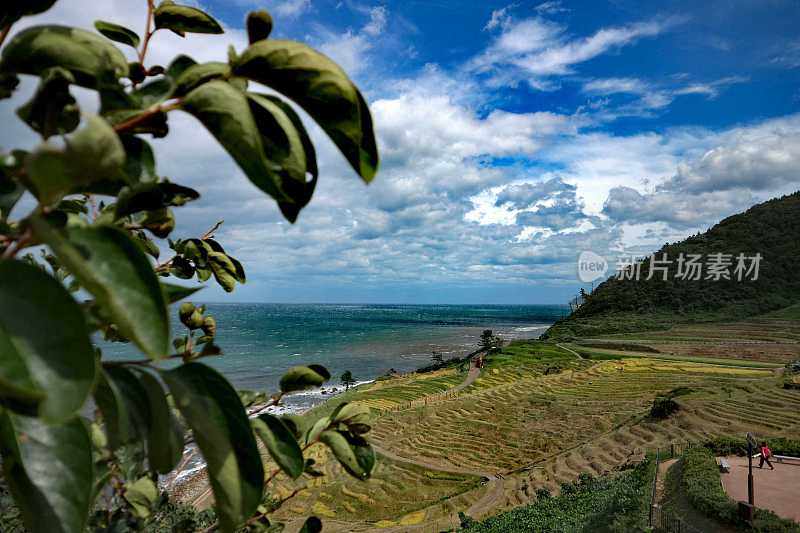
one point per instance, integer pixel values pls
(542, 414)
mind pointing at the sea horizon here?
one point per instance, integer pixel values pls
(261, 340)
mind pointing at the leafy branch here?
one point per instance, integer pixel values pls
(104, 214)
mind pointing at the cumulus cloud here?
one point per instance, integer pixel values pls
(625, 204)
(523, 195)
(469, 191)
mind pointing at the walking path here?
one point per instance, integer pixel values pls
(570, 350)
(777, 490)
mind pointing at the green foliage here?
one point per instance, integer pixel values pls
(47, 366)
(770, 228)
(614, 503)
(347, 379)
(117, 33)
(102, 208)
(48, 469)
(738, 446)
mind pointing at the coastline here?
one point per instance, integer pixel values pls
(190, 475)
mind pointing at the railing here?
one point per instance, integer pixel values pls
(663, 520)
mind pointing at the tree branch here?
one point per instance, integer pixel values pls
(148, 32)
(4, 33)
(139, 119)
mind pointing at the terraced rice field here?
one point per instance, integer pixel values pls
(771, 338)
(537, 417)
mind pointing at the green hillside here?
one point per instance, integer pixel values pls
(771, 229)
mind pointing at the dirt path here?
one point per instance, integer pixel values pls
(472, 375)
(570, 350)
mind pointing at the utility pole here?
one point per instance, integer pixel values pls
(750, 487)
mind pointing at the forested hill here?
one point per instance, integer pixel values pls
(771, 229)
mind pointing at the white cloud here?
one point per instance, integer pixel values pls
(291, 8)
(534, 49)
(650, 97)
(377, 21)
(351, 49)
(500, 18)
(550, 8)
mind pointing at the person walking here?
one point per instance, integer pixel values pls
(766, 453)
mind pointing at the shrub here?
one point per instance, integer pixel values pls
(613, 503)
(663, 406)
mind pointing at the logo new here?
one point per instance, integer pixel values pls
(591, 266)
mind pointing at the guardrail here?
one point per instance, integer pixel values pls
(663, 520)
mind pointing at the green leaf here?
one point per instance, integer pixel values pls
(141, 495)
(225, 112)
(286, 143)
(165, 435)
(10, 189)
(353, 453)
(352, 413)
(198, 74)
(320, 87)
(93, 154)
(175, 293)
(52, 110)
(117, 33)
(140, 163)
(281, 444)
(124, 404)
(112, 267)
(259, 25)
(49, 472)
(8, 84)
(224, 270)
(13, 10)
(89, 57)
(160, 222)
(152, 196)
(213, 410)
(154, 92)
(184, 19)
(179, 65)
(47, 364)
(146, 244)
(312, 525)
(300, 378)
(316, 429)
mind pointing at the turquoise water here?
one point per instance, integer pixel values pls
(260, 341)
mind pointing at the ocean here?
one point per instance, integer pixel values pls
(260, 341)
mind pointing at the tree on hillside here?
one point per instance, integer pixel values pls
(489, 341)
(347, 380)
(103, 214)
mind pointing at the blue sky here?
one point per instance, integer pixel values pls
(514, 136)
